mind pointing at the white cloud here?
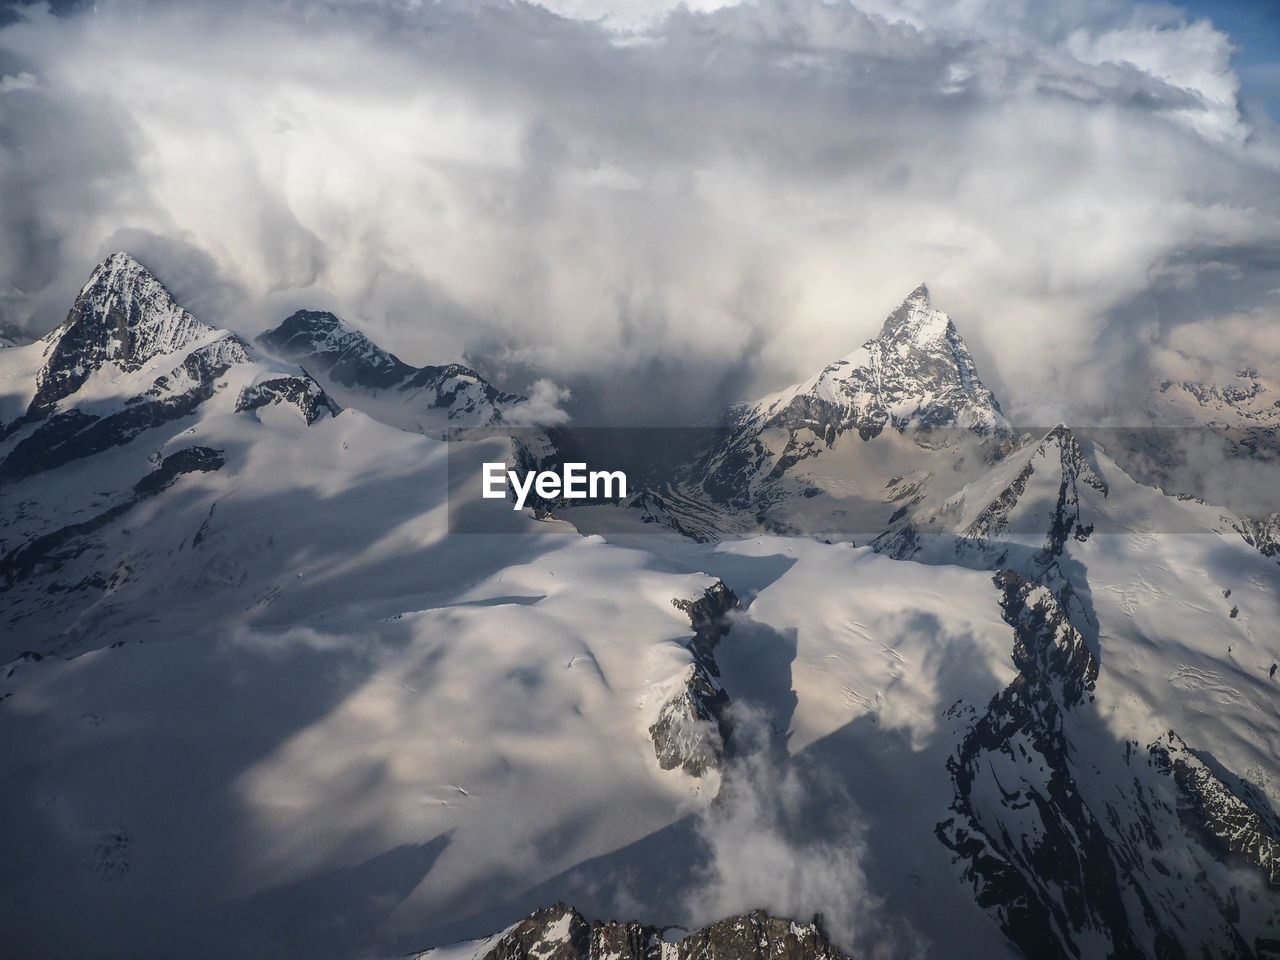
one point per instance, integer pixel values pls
(663, 211)
(544, 406)
(20, 81)
(789, 840)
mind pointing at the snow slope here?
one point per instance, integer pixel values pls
(256, 699)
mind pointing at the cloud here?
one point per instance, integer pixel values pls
(544, 406)
(20, 81)
(662, 207)
(788, 840)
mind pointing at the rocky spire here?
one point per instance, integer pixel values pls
(123, 316)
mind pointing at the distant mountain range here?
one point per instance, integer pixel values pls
(962, 688)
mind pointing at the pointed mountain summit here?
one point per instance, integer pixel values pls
(159, 365)
(915, 377)
(362, 375)
(915, 318)
(917, 372)
(123, 316)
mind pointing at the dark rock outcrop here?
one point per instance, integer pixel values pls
(342, 356)
(559, 932)
(1237, 824)
(1262, 534)
(1054, 878)
(691, 731)
(301, 393)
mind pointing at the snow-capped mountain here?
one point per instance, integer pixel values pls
(917, 373)
(1217, 441)
(116, 387)
(1248, 399)
(256, 700)
(837, 453)
(363, 375)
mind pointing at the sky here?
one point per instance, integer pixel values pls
(1254, 29)
(665, 208)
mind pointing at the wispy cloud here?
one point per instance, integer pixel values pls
(664, 207)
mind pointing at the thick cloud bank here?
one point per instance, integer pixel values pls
(664, 207)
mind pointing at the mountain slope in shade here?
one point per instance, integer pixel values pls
(363, 375)
(1084, 847)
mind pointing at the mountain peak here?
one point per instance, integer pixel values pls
(916, 321)
(118, 270)
(324, 340)
(124, 316)
(314, 320)
(363, 375)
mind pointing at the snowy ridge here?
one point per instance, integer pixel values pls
(1048, 490)
(560, 932)
(363, 375)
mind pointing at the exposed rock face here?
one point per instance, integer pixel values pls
(1238, 824)
(1263, 534)
(122, 316)
(1052, 875)
(691, 731)
(330, 348)
(1047, 647)
(302, 393)
(1070, 868)
(72, 434)
(707, 615)
(561, 933)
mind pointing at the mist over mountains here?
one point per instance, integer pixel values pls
(937, 346)
(713, 200)
(261, 694)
